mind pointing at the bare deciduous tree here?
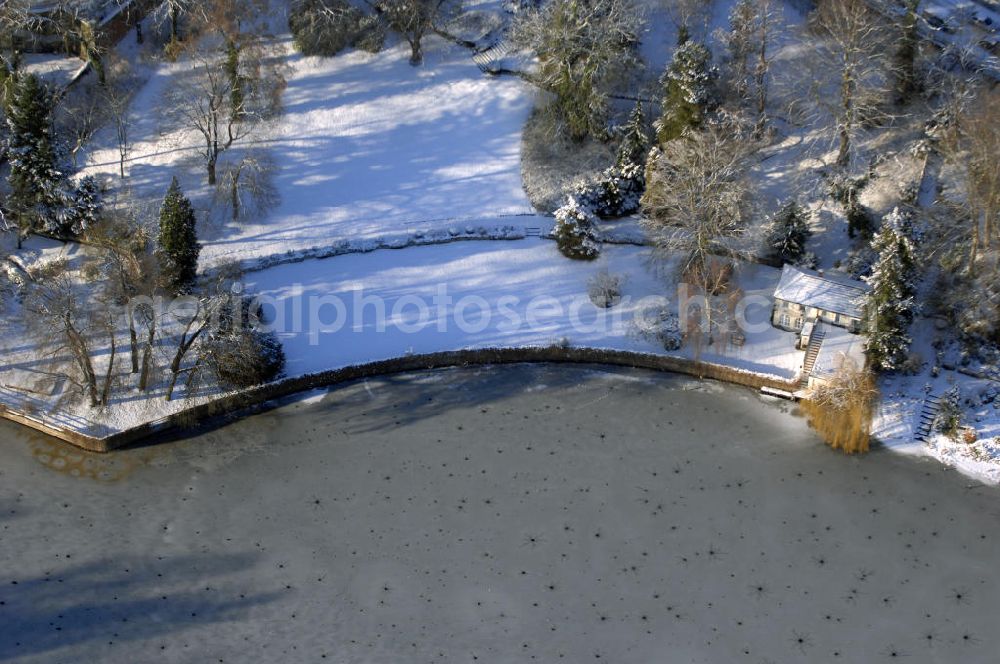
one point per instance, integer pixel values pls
(119, 101)
(974, 148)
(62, 314)
(698, 202)
(842, 409)
(205, 102)
(129, 267)
(415, 18)
(852, 45)
(247, 185)
(79, 115)
(754, 25)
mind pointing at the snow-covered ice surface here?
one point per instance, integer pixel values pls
(504, 515)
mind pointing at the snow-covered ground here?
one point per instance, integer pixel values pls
(367, 146)
(53, 68)
(481, 294)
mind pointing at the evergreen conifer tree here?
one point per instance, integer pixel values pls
(889, 306)
(788, 234)
(635, 141)
(575, 233)
(80, 208)
(231, 65)
(179, 246)
(690, 93)
(34, 177)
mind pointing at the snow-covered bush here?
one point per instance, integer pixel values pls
(575, 233)
(949, 416)
(859, 263)
(663, 327)
(605, 289)
(327, 27)
(239, 353)
(371, 37)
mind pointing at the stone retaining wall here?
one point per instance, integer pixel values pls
(234, 403)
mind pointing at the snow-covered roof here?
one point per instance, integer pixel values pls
(838, 346)
(822, 291)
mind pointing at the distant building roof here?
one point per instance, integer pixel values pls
(839, 346)
(822, 291)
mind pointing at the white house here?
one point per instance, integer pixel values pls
(805, 297)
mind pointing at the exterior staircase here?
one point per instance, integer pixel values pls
(812, 352)
(928, 413)
(488, 58)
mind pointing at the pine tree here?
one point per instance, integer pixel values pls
(179, 246)
(79, 209)
(575, 233)
(635, 142)
(34, 177)
(788, 234)
(690, 93)
(889, 305)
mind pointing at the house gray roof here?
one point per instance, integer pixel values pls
(812, 289)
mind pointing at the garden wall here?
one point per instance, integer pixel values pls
(234, 403)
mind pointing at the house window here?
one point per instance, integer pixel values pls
(785, 321)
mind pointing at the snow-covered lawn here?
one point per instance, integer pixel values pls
(367, 146)
(520, 293)
(471, 295)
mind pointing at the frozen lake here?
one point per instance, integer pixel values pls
(500, 515)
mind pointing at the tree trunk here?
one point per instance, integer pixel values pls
(79, 347)
(106, 391)
(234, 194)
(761, 72)
(974, 247)
(844, 152)
(133, 341)
(182, 348)
(416, 53)
(211, 170)
(174, 36)
(147, 355)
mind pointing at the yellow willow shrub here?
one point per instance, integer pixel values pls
(841, 411)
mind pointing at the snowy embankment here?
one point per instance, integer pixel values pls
(362, 308)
